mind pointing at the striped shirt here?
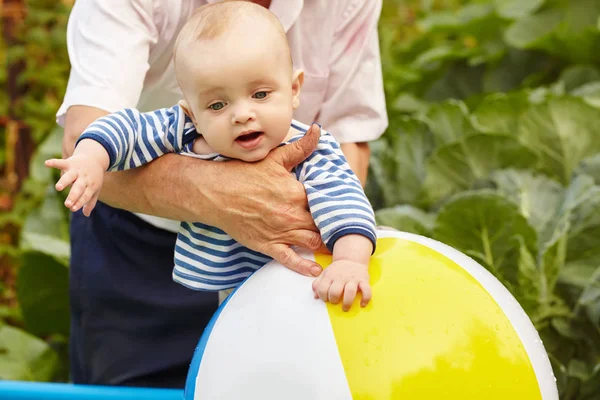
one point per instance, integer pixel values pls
(206, 258)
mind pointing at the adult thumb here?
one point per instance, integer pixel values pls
(293, 154)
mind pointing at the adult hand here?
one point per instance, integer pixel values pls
(262, 206)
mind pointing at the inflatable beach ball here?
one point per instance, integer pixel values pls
(439, 326)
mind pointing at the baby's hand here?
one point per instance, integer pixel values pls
(87, 175)
(343, 277)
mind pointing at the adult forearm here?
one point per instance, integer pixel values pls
(162, 188)
(357, 155)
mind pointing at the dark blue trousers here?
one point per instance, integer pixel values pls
(130, 323)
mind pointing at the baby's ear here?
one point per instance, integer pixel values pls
(297, 82)
(187, 109)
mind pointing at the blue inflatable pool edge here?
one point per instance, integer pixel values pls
(17, 390)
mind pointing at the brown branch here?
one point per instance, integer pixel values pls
(19, 143)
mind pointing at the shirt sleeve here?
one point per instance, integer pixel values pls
(133, 139)
(336, 198)
(354, 107)
(109, 44)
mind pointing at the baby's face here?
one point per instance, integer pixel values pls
(241, 95)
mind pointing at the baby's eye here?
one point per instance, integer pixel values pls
(217, 106)
(260, 95)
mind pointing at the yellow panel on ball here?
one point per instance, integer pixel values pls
(431, 332)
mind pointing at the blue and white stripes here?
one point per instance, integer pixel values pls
(206, 258)
(133, 139)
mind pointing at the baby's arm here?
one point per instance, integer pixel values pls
(85, 170)
(122, 140)
(345, 219)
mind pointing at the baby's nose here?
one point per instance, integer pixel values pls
(242, 115)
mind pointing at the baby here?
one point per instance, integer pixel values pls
(234, 68)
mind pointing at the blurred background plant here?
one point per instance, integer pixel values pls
(34, 241)
(491, 148)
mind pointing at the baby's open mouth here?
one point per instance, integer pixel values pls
(250, 139)
(247, 137)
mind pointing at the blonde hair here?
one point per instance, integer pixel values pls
(210, 21)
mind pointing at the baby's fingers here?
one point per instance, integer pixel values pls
(350, 291)
(68, 178)
(87, 195)
(365, 289)
(77, 191)
(89, 206)
(57, 163)
(335, 291)
(315, 285)
(323, 288)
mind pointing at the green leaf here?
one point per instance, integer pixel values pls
(408, 103)
(555, 227)
(578, 369)
(591, 387)
(500, 113)
(589, 92)
(43, 293)
(440, 20)
(591, 167)
(399, 167)
(575, 46)
(537, 196)
(430, 58)
(579, 75)
(565, 30)
(489, 228)
(529, 31)
(590, 299)
(563, 133)
(529, 280)
(458, 166)
(448, 121)
(50, 218)
(407, 219)
(553, 256)
(458, 81)
(462, 19)
(50, 148)
(47, 244)
(24, 357)
(518, 68)
(584, 231)
(515, 9)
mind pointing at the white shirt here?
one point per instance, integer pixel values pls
(121, 56)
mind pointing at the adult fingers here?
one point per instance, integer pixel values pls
(293, 154)
(304, 238)
(290, 259)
